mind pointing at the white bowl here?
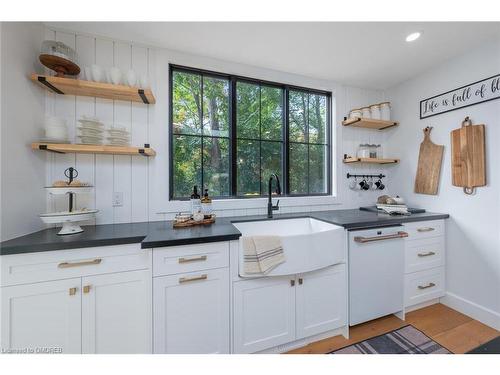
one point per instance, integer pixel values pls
(54, 121)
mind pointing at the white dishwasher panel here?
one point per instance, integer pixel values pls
(376, 273)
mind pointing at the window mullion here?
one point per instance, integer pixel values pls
(260, 139)
(201, 133)
(308, 146)
(286, 141)
(233, 135)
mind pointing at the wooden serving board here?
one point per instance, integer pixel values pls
(429, 165)
(468, 165)
(191, 223)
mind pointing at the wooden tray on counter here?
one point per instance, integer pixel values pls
(192, 223)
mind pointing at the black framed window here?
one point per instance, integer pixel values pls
(229, 134)
(259, 136)
(308, 143)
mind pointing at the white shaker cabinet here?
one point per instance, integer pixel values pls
(264, 313)
(42, 316)
(273, 311)
(191, 312)
(321, 301)
(116, 313)
(89, 300)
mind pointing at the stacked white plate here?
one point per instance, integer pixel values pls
(91, 131)
(118, 136)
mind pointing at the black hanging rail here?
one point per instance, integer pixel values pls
(366, 175)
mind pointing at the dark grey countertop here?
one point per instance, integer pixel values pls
(161, 233)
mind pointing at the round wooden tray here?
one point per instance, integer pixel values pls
(60, 65)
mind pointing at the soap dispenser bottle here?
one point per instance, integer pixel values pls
(195, 201)
(206, 204)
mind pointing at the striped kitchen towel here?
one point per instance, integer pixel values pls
(261, 254)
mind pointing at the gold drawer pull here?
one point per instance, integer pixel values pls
(72, 291)
(426, 254)
(430, 285)
(86, 289)
(78, 264)
(428, 229)
(380, 238)
(189, 279)
(189, 260)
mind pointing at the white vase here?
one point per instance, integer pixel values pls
(131, 78)
(116, 75)
(96, 73)
(144, 81)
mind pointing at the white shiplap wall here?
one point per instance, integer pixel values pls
(107, 173)
(144, 181)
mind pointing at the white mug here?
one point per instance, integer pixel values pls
(353, 184)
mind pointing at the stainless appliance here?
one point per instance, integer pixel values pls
(376, 271)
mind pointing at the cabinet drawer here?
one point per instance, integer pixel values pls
(424, 285)
(424, 229)
(424, 254)
(190, 258)
(65, 264)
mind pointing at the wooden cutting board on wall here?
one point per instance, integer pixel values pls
(468, 166)
(430, 158)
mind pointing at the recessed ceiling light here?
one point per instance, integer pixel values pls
(413, 36)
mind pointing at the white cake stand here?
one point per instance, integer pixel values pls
(69, 220)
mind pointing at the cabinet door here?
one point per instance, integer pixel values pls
(191, 312)
(264, 313)
(42, 316)
(116, 313)
(321, 301)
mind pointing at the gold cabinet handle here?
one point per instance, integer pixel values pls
(380, 238)
(189, 260)
(86, 289)
(430, 285)
(421, 255)
(189, 279)
(78, 264)
(427, 229)
(301, 281)
(72, 291)
(292, 282)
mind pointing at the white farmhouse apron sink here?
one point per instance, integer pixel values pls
(308, 244)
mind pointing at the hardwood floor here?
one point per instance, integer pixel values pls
(455, 331)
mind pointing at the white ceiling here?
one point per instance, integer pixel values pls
(367, 54)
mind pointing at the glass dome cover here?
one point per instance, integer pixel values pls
(59, 57)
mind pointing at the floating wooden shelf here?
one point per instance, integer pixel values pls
(369, 123)
(371, 161)
(70, 86)
(93, 149)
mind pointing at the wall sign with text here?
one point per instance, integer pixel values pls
(474, 93)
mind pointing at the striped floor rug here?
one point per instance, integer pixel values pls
(406, 340)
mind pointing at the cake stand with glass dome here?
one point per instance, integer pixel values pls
(69, 219)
